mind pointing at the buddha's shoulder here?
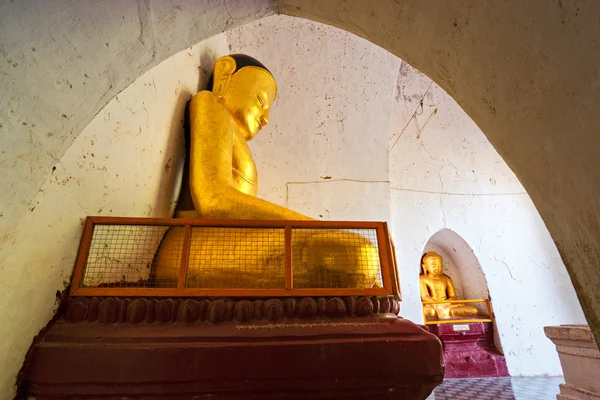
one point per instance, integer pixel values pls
(206, 99)
(205, 95)
(423, 277)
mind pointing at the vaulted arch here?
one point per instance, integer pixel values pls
(461, 263)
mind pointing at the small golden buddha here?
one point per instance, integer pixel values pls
(221, 182)
(435, 286)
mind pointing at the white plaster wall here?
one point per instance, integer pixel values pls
(63, 61)
(451, 177)
(324, 153)
(525, 71)
(124, 163)
(324, 150)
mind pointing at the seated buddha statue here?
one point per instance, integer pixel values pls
(435, 286)
(220, 182)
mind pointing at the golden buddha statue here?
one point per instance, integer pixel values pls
(221, 182)
(435, 286)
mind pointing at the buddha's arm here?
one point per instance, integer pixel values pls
(450, 289)
(211, 167)
(424, 291)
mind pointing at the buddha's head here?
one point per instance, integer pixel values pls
(432, 263)
(246, 88)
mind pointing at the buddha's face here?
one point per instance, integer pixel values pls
(433, 265)
(249, 97)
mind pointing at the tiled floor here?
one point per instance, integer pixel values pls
(532, 388)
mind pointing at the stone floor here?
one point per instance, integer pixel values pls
(528, 388)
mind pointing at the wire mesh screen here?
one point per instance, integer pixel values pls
(122, 256)
(328, 258)
(152, 256)
(249, 258)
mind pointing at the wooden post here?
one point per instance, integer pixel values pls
(393, 266)
(82, 255)
(384, 260)
(489, 308)
(185, 256)
(289, 273)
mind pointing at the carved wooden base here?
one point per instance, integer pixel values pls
(469, 350)
(110, 310)
(379, 356)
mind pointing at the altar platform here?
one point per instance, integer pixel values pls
(468, 344)
(126, 338)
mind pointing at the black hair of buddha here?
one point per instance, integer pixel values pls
(241, 61)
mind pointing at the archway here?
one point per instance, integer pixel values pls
(460, 263)
(59, 75)
(521, 307)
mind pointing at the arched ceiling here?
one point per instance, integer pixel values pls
(62, 62)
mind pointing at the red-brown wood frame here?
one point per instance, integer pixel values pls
(386, 256)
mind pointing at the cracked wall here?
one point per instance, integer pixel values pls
(63, 61)
(527, 73)
(315, 157)
(124, 163)
(448, 176)
(334, 101)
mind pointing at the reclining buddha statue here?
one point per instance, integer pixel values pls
(436, 286)
(220, 182)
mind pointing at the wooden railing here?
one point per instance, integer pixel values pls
(388, 271)
(483, 318)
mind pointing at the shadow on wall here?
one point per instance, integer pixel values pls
(180, 118)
